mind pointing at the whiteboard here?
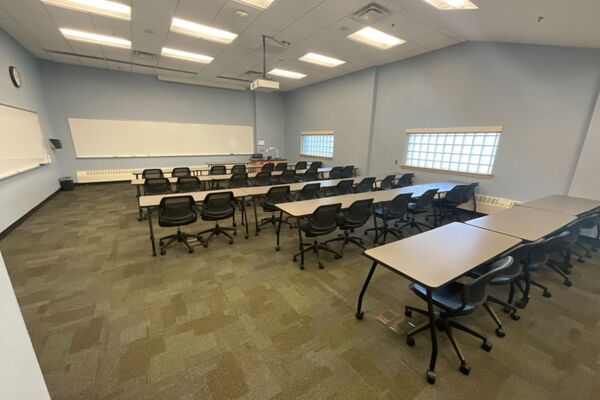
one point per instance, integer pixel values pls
(101, 138)
(22, 144)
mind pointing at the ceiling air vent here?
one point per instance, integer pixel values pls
(371, 13)
(142, 55)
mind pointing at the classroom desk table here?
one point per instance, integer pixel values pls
(151, 202)
(435, 258)
(563, 204)
(525, 223)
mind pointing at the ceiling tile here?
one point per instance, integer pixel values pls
(320, 18)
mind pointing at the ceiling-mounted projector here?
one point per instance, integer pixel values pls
(264, 85)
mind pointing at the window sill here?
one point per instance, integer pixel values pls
(317, 157)
(446, 172)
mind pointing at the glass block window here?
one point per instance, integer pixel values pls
(317, 144)
(468, 150)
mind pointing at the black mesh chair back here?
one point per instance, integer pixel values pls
(177, 211)
(366, 185)
(324, 219)
(282, 166)
(388, 182)
(316, 165)
(278, 194)
(357, 214)
(348, 171)
(218, 206)
(188, 184)
(218, 170)
(405, 180)
(157, 186)
(470, 193)
(287, 176)
(520, 255)
(181, 171)
(300, 165)
(344, 187)
(426, 199)
(336, 173)
(310, 191)
(238, 169)
(456, 195)
(238, 180)
(152, 173)
(268, 167)
(262, 178)
(474, 293)
(310, 175)
(589, 221)
(398, 206)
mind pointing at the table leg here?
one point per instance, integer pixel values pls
(375, 225)
(138, 194)
(257, 229)
(359, 313)
(149, 214)
(434, 345)
(279, 230)
(245, 216)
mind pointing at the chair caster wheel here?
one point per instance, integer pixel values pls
(581, 260)
(337, 256)
(408, 312)
(246, 237)
(277, 248)
(465, 369)
(430, 377)
(302, 267)
(199, 238)
(205, 245)
(359, 315)
(515, 316)
(500, 333)
(163, 252)
(231, 242)
(522, 303)
(410, 341)
(507, 309)
(321, 266)
(190, 251)
(547, 294)
(294, 259)
(568, 283)
(234, 233)
(486, 346)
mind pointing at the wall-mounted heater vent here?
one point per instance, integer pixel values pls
(489, 204)
(371, 13)
(114, 175)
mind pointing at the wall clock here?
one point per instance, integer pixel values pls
(15, 76)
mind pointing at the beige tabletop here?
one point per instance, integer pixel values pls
(523, 222)
(202, 178)
(154, 200)
(295, 187)
(441, 255)
(563, 204)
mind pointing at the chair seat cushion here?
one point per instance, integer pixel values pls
(217, 216)
(413, 208)
(311, 231)
(447, 297)
(177, 220)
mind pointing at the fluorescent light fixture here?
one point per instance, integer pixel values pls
(375, 38)
(186, 55)
(321, 60)
(102, 7)
(286, 74)
(262, 4)
(202, 31)
(453, 4)
(90, 37)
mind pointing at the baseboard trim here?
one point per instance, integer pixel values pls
(18, 222)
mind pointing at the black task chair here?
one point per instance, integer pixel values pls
(300, 165)
(175, 212)
(404, 181)
(309, 192)
(336, 173)
(347, 171)
(423, 204)
(262, 178)
(345, 186)
(392, 211)
(238, 169)
(181, 171)
(453, 301)
(387, 182)
(322, 222)
(287, 176)
(268, 167)
(354, 217)
(152, 173)
(275, 195)
(447, 206)
(238, 180)
(309, 175)
(157, 186)
(188, 184)
(366, 185)
(282, 166)
(316, 165)
(218, 170)
(588, 222)
(217, 207)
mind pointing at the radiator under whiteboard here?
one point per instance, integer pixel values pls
(115, 175)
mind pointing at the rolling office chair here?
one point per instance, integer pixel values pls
(423, 204)
(238, 180)
(287, 176)
(152, 173)
(176, 211)
(404, 181)
(447, 205)
(343, 187)
(157, 186)
(282, 166)
(188, 184)
(238, 169)
(309, 192)
(181, 171)
(275, 195)
(268, 167)
(218, 170)
(394, 210)
(322, 222)
(316, 165)
(366, 185)
(309, 175)
(336, 173)
(453, 301)
(354, 217)
(347, 172)
(300, 165)
(217, 207)
(387, 183)
(589, 221)
(262, 178)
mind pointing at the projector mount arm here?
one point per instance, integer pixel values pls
(282, 43)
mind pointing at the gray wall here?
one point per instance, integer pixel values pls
(21, 193)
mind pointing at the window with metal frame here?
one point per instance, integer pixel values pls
(317, 144)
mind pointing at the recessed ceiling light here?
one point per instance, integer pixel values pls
(321, 60)
(262, 4)
(102, 7)
(286, 74)
(202, 31)
(186, 55)
(453, 4)
(95, 38)
(373, 37)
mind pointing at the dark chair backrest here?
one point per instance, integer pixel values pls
(181, 171)
(177, 210)
(520, 255)
(405, 180)
(366, 185)
(188, 184)
(344, 187)
(218, 205)
(300, 165)
(268, 167)
(238, 169)
(348, 171)
(388, 182)
(358, 213)
(287, 176)
(470, 193)
(310, 175)
(426, 199)
(336, 173)
(157, 186)
(316, 165)
(218, 170)
(310, 191)
(282, 166)
(588, 221)
(238, 180)
(474, 293)
(457, 195)
(324, 219)
(278, 194)
(399, 205)
(262, 178)
(152, 173)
